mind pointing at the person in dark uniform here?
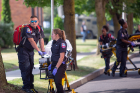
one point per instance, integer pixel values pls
(104, 39)
(121, 49)
(26, 53)
(138, 31)
(58, 58)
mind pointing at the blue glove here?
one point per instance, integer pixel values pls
(133, 44)
(101, 51)
(63, 62)
(49, 67)
(54, 71)
(40, 53)
(44, 53)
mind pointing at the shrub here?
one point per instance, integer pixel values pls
(6, 34)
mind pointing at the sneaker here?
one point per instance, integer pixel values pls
(105, 73)
(34, 91)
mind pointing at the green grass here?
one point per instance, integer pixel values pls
(86, 46)
(86, 65)
(10, 58)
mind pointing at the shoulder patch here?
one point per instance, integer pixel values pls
(28, 31)
(63, 45)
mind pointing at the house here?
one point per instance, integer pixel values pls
(20, 14)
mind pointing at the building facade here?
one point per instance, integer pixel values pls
(20, 14)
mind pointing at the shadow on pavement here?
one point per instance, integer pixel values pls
(119, 91)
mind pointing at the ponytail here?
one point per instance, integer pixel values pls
(63, 35)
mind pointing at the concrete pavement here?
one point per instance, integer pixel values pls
(109, 84)
(10, 75)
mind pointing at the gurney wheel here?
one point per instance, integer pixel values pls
(125, 72)
(139, 71)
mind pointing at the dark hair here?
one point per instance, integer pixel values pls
(33, 16)
(61, 33)
(105, 27)
(121, 22)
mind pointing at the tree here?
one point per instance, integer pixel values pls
(101, 20)
(3, 80)
(6, 13)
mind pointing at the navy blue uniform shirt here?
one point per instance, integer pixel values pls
(35, 34)
(58, 47)
(122, 34)
(105, 39)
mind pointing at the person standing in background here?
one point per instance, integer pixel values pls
(83, 31)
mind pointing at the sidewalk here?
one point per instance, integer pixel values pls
(10, 75)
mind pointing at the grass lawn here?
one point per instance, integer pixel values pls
(10, 58)
(86, 46)
(86, 66)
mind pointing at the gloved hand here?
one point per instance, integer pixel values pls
(40, 53)
(44, 53)
(101, 51)
(63, 62)
(49, 67)
(133, 44)
(54, 71)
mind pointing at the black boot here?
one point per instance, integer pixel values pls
(27, 90)
(113, 73)
(123, 75)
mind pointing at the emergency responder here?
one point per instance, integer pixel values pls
(104, 39)
(26, 53)
(121, 49)
(138, 31)
(58, 58)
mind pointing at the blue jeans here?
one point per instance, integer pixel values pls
(84, 35)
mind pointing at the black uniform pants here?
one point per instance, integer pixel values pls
(26, 64)
(121, 54)
(58, 77)
(107, 62)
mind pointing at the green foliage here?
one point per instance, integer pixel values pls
(47, 13)
(58, 22)
(6, 13)
(6, 34)
(41, 3)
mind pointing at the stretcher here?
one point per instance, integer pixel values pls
(112, 47)
(45, 62)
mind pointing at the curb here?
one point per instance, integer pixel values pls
(93, 75)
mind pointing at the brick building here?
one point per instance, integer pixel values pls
(20, 14)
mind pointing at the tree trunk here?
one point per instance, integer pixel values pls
(130, 23)
(116, 25)
(101, 20)
(69, 25)
(3, 80)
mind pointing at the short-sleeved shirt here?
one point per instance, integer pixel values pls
(58, 47)
(35, 34)
(105, 39)
(84, 27)
(122, 34)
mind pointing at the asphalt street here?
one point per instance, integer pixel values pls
(117, 84)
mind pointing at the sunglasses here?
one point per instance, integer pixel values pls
(32, 21)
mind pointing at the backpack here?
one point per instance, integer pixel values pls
(17, 36)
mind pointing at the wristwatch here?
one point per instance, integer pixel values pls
(56, 67)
